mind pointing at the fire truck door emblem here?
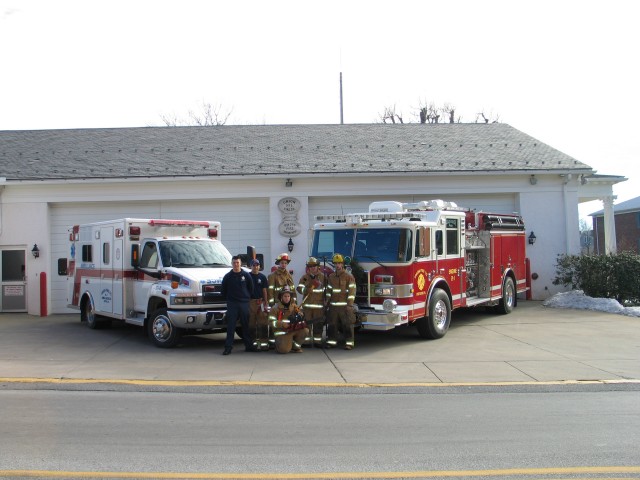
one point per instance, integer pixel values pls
(420, 280)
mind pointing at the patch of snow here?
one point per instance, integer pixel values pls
(577, 299)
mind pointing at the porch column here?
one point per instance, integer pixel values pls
(610, 245)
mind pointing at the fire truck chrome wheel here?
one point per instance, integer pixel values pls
(161, 330)
(508, 297)
(436, 324)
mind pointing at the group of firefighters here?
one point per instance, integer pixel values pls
(279, 322)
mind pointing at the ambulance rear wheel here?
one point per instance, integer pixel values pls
(508, 300)
(88, 314)
(437, 323)
(161, 331)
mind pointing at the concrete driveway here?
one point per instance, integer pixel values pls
(533, 344)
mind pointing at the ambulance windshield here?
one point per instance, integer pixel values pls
(381, 245)
(194, 254)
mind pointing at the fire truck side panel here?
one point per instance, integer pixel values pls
(496, 267)
(421, 274)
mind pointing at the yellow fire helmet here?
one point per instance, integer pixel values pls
(337, 258)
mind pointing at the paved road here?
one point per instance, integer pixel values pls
(533, 344)
(403, 433)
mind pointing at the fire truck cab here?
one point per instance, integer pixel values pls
(416, 262)
(164, 275)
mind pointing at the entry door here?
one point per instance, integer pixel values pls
(105, 299)
(14, 281)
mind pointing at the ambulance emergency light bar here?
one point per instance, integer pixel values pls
(177, 223)
(134, 231)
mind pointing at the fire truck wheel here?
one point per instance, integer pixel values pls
(161, 331)
(437, 323)
(88, 314)
(508, 297)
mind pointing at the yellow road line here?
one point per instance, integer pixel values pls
(336, 475)
(216, 383)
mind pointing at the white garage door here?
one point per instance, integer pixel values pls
(244, 222)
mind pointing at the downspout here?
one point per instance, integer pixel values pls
(3, 183)
(567, 227)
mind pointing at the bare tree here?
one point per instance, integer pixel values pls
(486, 118)
(429, 112)
(450, 110)
(389, 114)
(210, 115)
(586, 235)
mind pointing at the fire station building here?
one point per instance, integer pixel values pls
(266, 183)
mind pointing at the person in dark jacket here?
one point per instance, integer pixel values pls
(258, 307)
(237, 288)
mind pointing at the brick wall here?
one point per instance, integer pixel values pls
(627, 232)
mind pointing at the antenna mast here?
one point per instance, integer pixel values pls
(341, 115)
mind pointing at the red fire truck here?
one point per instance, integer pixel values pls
(416, 262)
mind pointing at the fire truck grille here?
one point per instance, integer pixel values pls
(212, 294)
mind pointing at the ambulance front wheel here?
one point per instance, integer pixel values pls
(161, 331)
(436, 324)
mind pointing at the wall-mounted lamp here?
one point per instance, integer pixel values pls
(288, 183)
(533, 180)
(35, 251)
(290, 245)
(532, 238)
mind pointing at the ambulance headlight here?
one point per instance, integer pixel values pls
(388, 305)
(175, 300)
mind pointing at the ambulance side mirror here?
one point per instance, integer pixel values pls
(63, 267)
(135, 255)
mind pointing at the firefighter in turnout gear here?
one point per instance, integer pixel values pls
(279, 278)
(341, 295)
(287, 323)
(311, 290)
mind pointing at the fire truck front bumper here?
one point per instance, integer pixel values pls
(372, 319)
(198, 319)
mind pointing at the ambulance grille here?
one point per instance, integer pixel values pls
(212, 294)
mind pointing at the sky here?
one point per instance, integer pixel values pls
(565, 72)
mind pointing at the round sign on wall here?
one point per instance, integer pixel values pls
(289, 205)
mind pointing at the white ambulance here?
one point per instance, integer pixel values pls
(164, 275)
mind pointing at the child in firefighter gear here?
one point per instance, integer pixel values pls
(341, 295)
(287, 323)
(279, 278)
(311, 289)
(258, 307)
